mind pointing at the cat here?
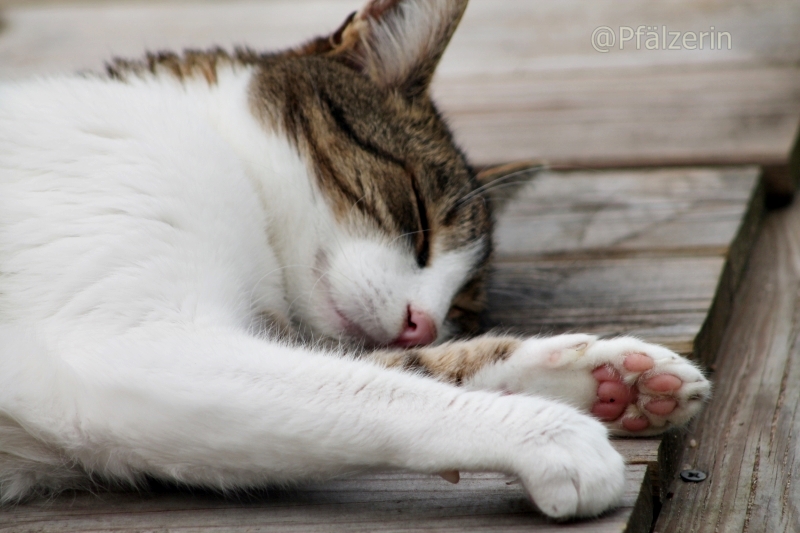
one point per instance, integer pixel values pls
(236, 269)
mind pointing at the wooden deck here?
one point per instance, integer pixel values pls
(651, 251)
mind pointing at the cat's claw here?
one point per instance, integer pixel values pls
(633, 387)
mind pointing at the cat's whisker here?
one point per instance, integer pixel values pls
(519, 176)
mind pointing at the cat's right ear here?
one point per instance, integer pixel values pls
(502, 183)
(397, 43)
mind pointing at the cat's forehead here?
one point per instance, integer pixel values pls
(372, 151)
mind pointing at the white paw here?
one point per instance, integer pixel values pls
(634, 387)
(571, 469)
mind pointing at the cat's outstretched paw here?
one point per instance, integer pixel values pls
(634, 387)
(567, 464)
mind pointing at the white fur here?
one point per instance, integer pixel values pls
(143, 227)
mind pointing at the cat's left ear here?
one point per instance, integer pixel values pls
(397, 43)
(502, 183)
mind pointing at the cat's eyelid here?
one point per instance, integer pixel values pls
(424, 243)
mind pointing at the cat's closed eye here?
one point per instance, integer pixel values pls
(423, 236)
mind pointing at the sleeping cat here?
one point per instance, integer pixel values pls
(231, 270)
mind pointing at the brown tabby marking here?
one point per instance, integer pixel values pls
(187, 66)
(452, 362)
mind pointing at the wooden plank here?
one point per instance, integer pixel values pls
(663, 300)
(677, 212)
(648, 117)
(496, 37)
(388, 502)
(603, 237)
(747, 437)
(794, 161)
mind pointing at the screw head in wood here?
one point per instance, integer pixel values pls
(693, 476)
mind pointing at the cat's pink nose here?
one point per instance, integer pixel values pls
(420, 330)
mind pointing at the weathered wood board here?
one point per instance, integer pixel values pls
(644, 253)
(506, 38)
(648, 213)
(521, 79)
(654, 253)
(394, 502)
(661, 299)
(747, 438)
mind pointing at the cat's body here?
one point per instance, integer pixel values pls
(165, 229)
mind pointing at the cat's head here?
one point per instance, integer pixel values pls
(406, 260)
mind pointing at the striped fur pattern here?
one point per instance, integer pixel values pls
(235, 269)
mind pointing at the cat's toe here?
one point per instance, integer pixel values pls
(613, 395)
(638, 362)
(663, 383)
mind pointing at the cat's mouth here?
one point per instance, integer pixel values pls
(334, 315)
(351, 328)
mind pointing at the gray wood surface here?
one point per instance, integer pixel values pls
(646, 253)
(393, 502)
(648, 213)
(747, 438)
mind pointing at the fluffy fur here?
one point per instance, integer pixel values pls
(209, 264)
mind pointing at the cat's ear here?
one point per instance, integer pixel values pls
(397, 43)
(502, 183)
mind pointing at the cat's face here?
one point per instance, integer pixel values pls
(410, 234)
(406, 262)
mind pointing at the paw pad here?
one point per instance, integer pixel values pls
(641, 393)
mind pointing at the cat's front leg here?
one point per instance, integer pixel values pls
(634, 387)
(218, 408)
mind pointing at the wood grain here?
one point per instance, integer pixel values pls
(676, 212)
(653, 253)
(748, 440)
(504, 37)
(663, 300)
(388, 502)
(649, 116)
